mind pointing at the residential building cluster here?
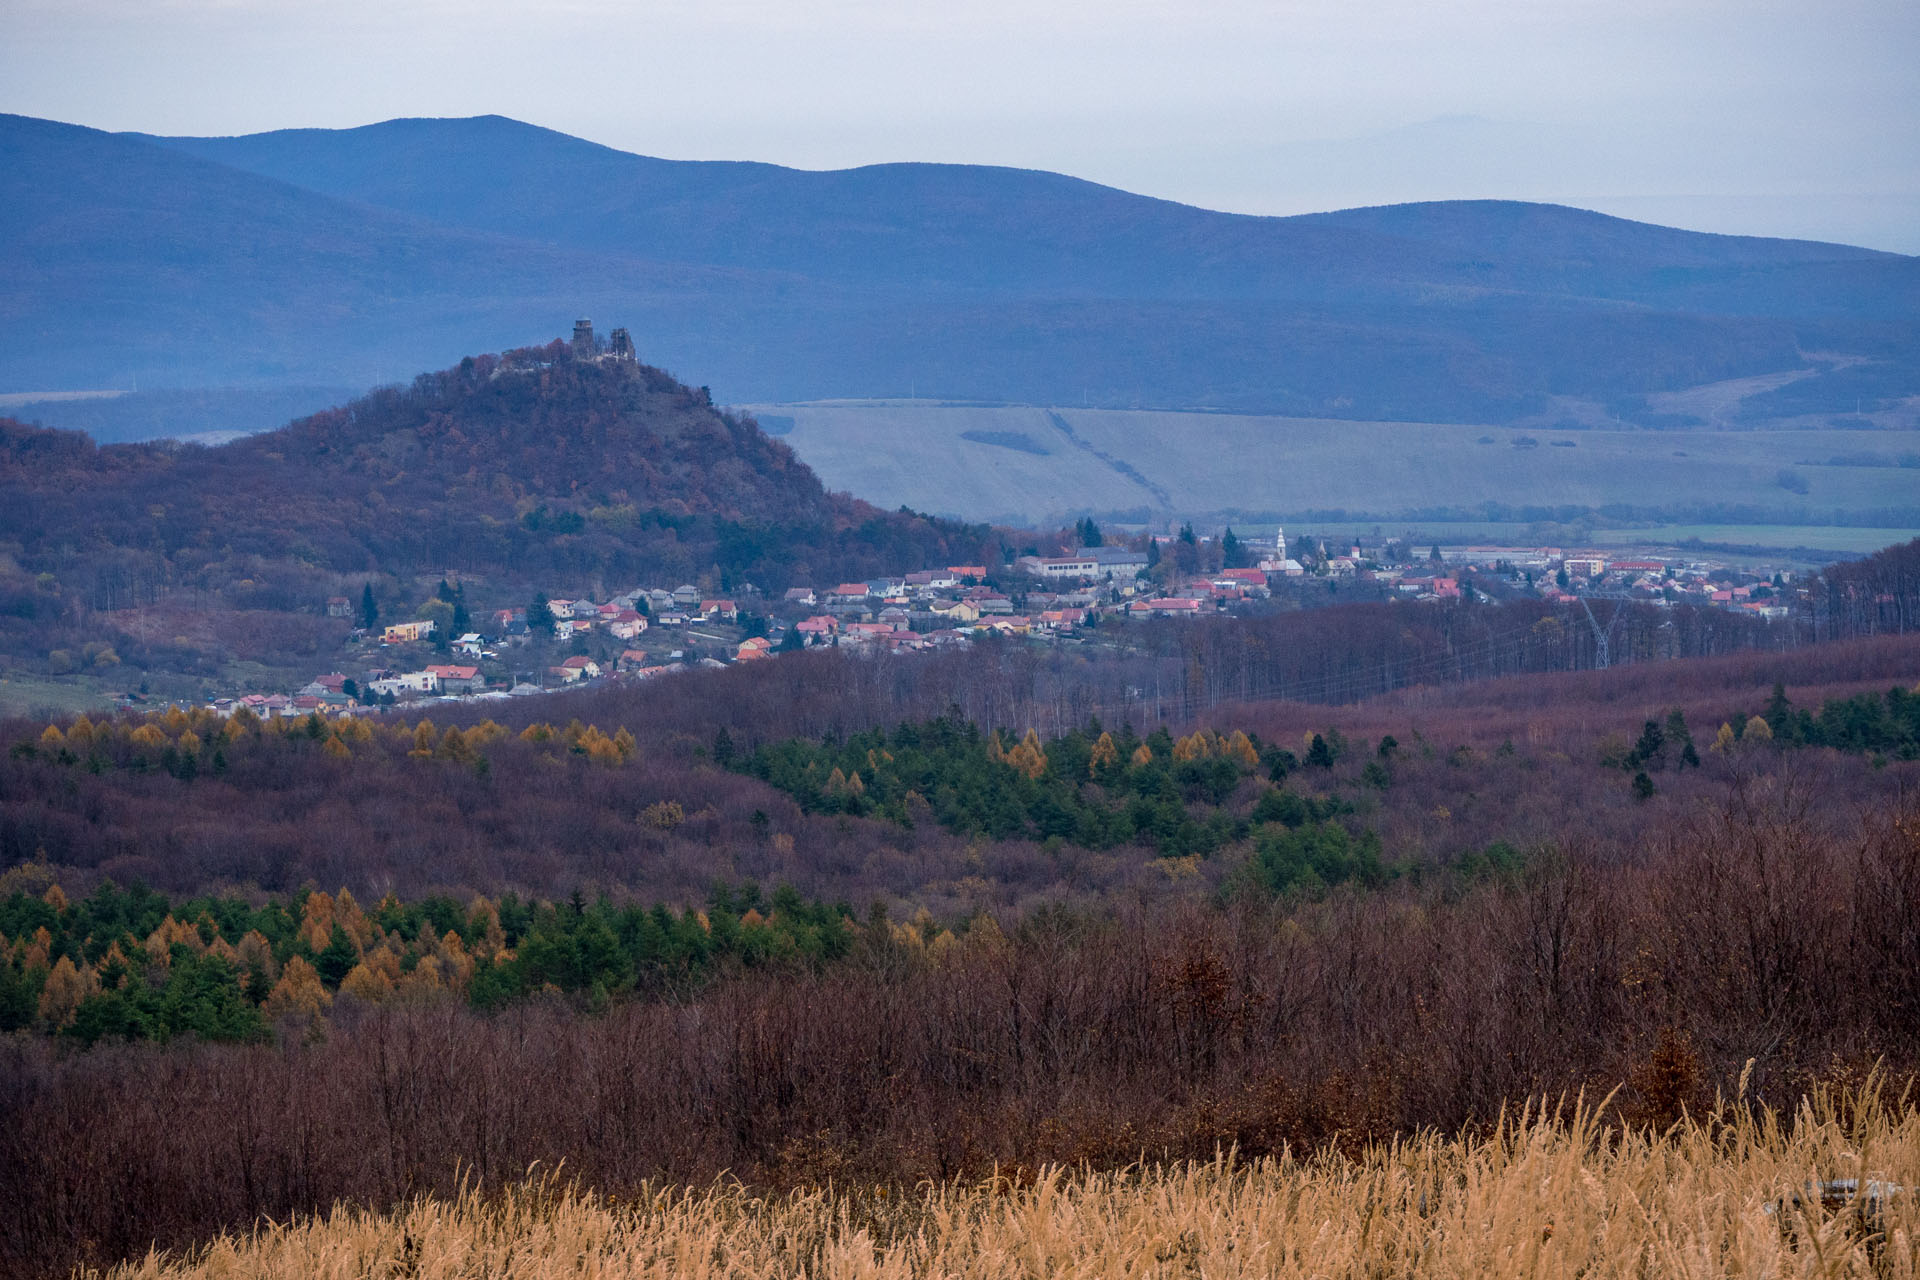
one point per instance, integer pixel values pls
(648, 632)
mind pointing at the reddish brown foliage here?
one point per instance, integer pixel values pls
(1770, 930)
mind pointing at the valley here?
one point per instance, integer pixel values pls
(1014, 465)
(979, 723)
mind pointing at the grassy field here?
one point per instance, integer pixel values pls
(1814, 537)
(1770, 541)
(1558, 1197)
(1032, 464)
(33, 695)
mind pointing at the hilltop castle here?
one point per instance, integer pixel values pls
(587, 347)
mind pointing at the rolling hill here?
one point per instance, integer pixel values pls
(352, 256)
(536, 470)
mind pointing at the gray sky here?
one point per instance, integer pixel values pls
(1757, 116)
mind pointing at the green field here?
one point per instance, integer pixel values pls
(1811, 537)
(25, 695)
(1783, 537)
(1034, 465)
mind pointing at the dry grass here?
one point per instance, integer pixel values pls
(1562, 1195)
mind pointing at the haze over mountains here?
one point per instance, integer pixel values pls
(349, 257)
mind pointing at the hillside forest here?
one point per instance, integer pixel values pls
(902, 948)
(509, 472)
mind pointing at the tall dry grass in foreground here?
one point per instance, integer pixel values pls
(1543, 1196)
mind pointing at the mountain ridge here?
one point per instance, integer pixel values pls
(952, 281)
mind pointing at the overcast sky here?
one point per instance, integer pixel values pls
(1758, 116)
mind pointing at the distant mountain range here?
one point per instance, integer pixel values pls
(351, 257)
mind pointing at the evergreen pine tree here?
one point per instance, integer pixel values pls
(1233, 552)
(540, 615)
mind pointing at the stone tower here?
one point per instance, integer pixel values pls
(620, 345)
(583, 337)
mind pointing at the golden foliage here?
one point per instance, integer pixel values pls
(1104, 754)
(537, 733)
(166, 934)
(421, 982)
(1723, 741)
(1549, 1196)
(256, 951)
(597, 746)
(1028, 756)
(298, 993)
(317, 914)
(348, 915)
(1142, 755)
(492, 938)
(52, 739)
(66, 987)
(664, 815)
(1758, 730)
(1239, 748)
(366, 983)
(55, 897)
(38, 952)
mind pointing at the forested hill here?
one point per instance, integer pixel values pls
(536, 466)
(351, 257)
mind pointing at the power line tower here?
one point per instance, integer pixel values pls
(1602, 659)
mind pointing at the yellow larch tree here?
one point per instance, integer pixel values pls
(1239, 748)
(299, 992)
(1104, 754)
(348, 915)
(366, 982)
(256, 952)
(65, 988)
(1028, 756)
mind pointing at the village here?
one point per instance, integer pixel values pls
(556, 643)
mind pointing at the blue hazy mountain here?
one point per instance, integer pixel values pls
(349, 256)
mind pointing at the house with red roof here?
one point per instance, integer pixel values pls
(457, 679)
